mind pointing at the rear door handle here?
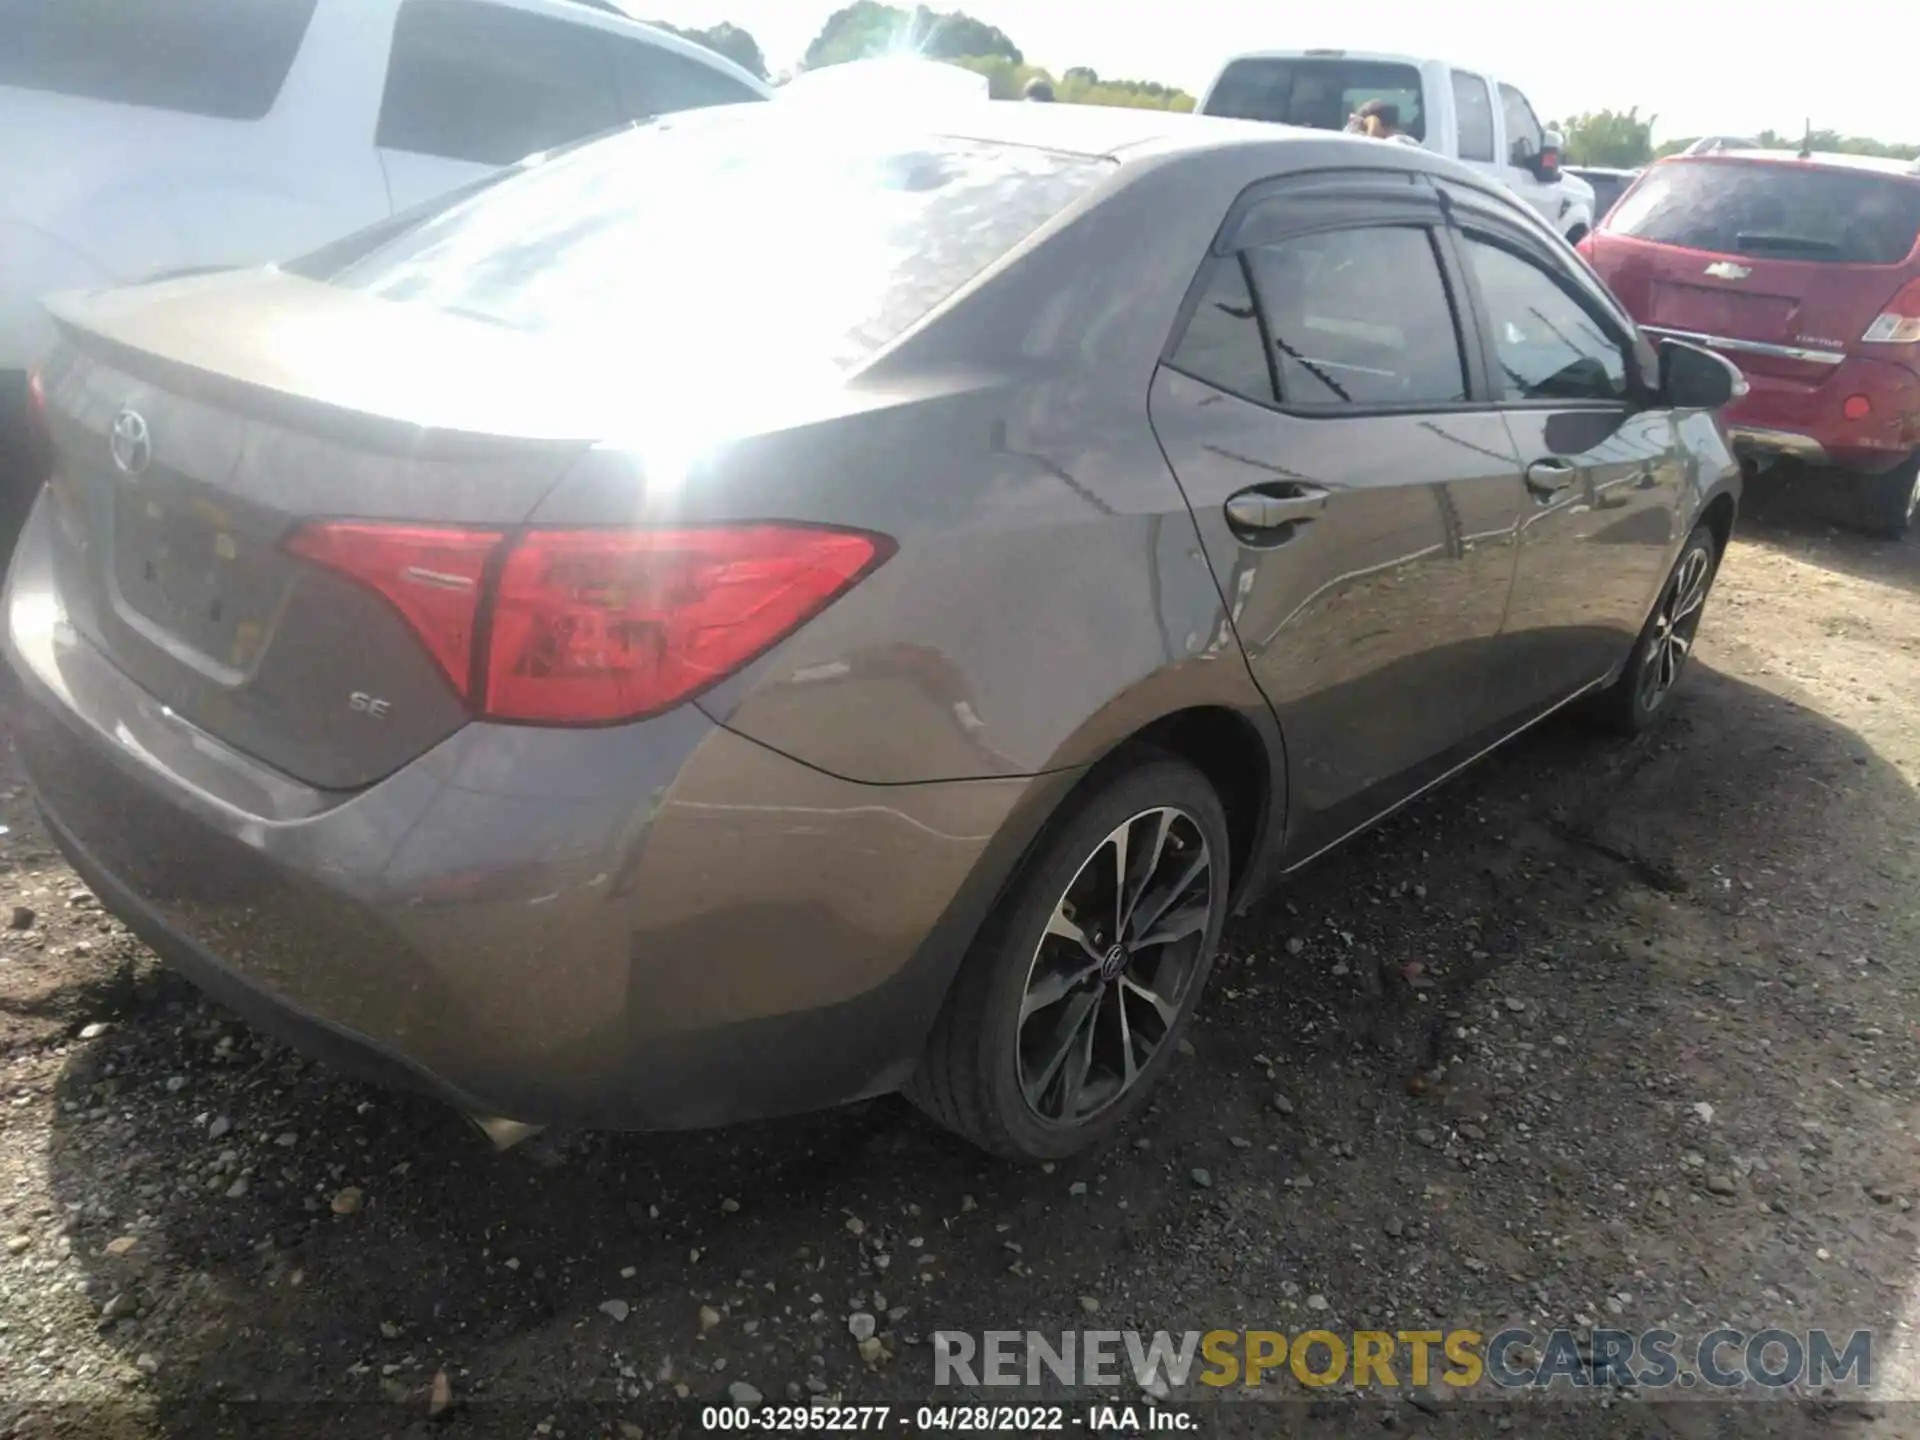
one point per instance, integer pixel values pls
(1271, 513)
(1547, 478)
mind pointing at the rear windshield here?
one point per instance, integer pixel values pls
(718, 243)
(225, 58)
(1782, 211)
(1318, 92)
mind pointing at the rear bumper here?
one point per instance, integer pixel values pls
(1759, 442)
(1803, 417)
(642, 927)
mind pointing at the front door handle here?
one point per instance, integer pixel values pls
(1547, 478)
(1270, 513)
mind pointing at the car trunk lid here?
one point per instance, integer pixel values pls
(199, 425)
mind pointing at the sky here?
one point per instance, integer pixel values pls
(1701, 66)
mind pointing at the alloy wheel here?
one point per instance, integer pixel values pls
(1674, 627)
(1116, 965)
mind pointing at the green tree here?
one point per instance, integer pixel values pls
(867, 28)
(1616, 138)
(727, 39)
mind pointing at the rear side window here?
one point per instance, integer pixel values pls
(1316, 91)
(1474, 107)
(653, 81)
(1782, 211)
(222, 58)
(730, 244)
(478, 82)
(1360, 317)
(1525, 139)
(1223, 344)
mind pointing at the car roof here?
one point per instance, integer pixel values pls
(1818, 160)
(1115, 132)
(1129, 136)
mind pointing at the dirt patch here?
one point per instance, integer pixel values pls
(1604, 1034)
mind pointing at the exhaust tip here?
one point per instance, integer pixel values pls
(502, 1133)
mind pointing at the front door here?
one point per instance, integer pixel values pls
(1603, 471)
(1357, 510)
(1525, 139)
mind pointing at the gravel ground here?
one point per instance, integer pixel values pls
(1605, 1033)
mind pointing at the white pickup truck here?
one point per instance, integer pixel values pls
(1468, 114)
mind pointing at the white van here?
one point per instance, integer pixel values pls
(156, 136)
(1468, 114)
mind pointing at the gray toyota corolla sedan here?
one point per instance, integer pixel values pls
(764, 609)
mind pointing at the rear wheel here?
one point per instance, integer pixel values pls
(1639, 697)
(1073, 998)
(1889, 502)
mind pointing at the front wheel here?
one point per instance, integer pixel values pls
(1073, 997)
(1639, 697)
(1889, 502)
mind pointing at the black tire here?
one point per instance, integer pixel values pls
(1887, 503)
(1635, 701)
(977, 1076)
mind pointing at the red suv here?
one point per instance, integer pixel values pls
(1805, 271)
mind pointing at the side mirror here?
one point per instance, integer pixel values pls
(1695, 379)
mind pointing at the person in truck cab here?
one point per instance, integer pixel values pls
(1381, 120)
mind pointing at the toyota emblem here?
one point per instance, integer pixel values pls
(132, 446)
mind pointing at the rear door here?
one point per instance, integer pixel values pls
(1476, 123)
(651, 80)
(473, 86)
(1782, 264)
(1356, 504)
(1603, 472)
(1525, 138)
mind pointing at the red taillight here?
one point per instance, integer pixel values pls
(588, 627)
(598, 625)
(1856, 407)
(1899, 323)
(432, 577)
